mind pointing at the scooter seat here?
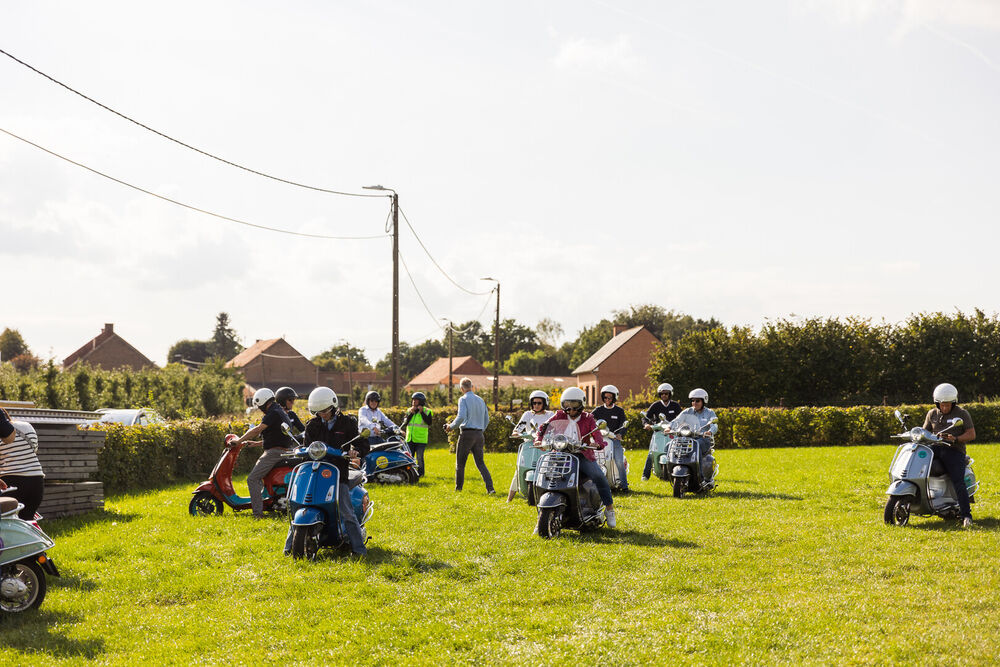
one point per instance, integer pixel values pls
(288, 461)
(8, 504)
(937, 469)
(384, 446)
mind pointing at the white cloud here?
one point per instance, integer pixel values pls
(960, 13)
(603, 56)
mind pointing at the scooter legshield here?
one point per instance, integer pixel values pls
(550, 499)
(902, 488)
(314, 483)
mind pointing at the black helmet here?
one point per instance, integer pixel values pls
(419, 395)
(284, 394)
(373, 396)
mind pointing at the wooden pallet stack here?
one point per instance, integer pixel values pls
(68, 456)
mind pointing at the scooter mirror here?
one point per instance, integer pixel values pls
(601, 424)
(663, 419)
(958, 422)
(624, 424)
(510, 419)
(899, 417)
(713, 420)
(249, 411)
(365, 432)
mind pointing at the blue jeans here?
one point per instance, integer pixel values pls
(351, 523)
(618, 453)
(593, 472)
(649, 465)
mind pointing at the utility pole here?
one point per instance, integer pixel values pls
(350, 377)
(395, 289)
(496, 350)
(451, 358)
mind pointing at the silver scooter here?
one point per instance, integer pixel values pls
(23, 561)
(606, 460)
(920, 484)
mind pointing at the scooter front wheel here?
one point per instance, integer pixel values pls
(22, 586)
(550, 522)
(204, 504)
(679, 485)
(305, 541)
(897, 510)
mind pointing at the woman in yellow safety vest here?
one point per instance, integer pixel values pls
(418, 425)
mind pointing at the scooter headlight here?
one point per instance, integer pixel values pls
(316, 450)
(685, 432)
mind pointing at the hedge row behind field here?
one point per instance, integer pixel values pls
(143, 457)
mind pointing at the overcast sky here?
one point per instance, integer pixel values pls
(729, 159)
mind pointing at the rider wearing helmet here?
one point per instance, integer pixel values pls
(417, 422)
(667, 407)
(539, 413)
(286, 396)
(698, 417)
(613, 414)
(336, 429)
(952, 455)
(370, 416)
(571, 401)
(275, 441)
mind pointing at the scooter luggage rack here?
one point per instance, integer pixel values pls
(556, 464)
(681, 446)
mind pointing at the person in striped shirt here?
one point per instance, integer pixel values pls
(19, 466)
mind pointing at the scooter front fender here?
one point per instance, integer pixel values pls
(902, 488)
(308, 516)
(680, 471)
(551, 500)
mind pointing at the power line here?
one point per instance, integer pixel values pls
(419, 295)
(188, 206)
(181, 143)
(443, 272)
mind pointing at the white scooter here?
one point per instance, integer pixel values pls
(23, 561)
(606, 460)
(920, 484)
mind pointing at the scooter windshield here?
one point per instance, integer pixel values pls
(564, 430)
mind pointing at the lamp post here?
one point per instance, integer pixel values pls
(350, 377)
(395, 289)
(496, 349)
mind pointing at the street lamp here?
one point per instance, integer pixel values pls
(395, 288)
(496, 349)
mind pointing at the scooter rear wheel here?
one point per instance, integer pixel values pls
(204, 504)
(550, 522)
(30, 574)
(897, 510)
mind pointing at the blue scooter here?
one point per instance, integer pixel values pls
(391, 462)
(314, 497)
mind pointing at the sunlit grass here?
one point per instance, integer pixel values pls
(788, 561)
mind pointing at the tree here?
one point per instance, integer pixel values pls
(549, 332)
(412, 360)
(190, 350)
(337, 357)
(225, 343)
(590, 340)
(666, 325)
(12, 344)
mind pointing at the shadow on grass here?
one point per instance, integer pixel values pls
(72, 581)
(33, 632)
(748, 495)
(935, 523)
(635, 537)
(65, 526)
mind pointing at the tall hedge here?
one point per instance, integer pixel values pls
(837, 362)
(172, 391)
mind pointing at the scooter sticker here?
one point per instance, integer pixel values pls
(381, 462)
(326, 474)
(922, 455)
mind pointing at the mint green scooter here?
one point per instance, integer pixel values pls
(23, 561)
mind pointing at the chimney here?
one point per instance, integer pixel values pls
(617, 329)
(109, 328)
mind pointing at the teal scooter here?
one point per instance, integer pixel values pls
(527, 461)
(23, 561)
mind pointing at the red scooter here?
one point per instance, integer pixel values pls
(217, 491)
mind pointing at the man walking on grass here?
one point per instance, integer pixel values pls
(472, 418)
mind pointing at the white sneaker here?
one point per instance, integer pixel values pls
(610, 516)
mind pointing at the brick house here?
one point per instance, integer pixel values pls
(436, 375)
(622, 361)
(108, 350)
(274, 363)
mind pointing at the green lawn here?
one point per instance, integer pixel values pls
(787, 561)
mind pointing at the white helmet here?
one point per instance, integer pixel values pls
(609, 389)
(666, 386)
(699, 393)
(322, 398)
(945, 393)
(572, 394)
(261, 397)
(538, 393)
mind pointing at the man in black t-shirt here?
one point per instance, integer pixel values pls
(941, 419)
(613, 414)
(275, 441)
(666, 407)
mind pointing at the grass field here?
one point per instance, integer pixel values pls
(788, 561)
